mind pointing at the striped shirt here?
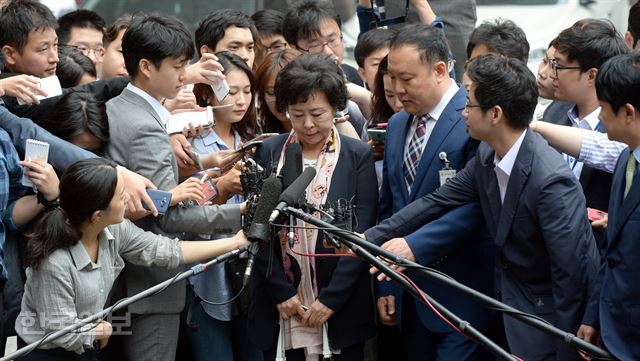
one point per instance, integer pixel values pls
(598, 151)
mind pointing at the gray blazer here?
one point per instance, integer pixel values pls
(139, 141)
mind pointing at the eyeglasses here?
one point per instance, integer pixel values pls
(332, 44)
(467, 105)
(555, 67)
(97, 52)
(280, 45)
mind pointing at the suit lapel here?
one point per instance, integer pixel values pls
(449, 117)
(623, 208)
(142, 104)
(517, 180)
(396, 163)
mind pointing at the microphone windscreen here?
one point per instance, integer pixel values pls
(271, 189)
(292, 164)
(294, 192)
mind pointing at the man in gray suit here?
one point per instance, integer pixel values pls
(533, 205)
(156, 52)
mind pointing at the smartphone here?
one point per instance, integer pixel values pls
(595, 214)
(210, 191)
(377, 135)
(161, 199)
(196, 158)
(220, 89)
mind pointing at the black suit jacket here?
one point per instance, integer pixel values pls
(546, 250)
(344, 283)
(595, 183)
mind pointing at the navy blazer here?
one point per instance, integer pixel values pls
(620, 295)
(595, 183)
(458, 244)
(546, 250)
(344, 283)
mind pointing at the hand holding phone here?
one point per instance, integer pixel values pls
(595, 214)
(161, 199)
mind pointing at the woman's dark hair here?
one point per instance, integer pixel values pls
(72, 66)
(309, 74)
(247, 127)
(121, 23)
(85, 187)
(76, 113)
(381, 110)
(506, 82)
(272, 64)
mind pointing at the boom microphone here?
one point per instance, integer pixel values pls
(260, 230)
(294, 192)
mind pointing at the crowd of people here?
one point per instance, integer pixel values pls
(521, 186)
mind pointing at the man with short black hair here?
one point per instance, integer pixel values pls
(227, 29)
(431, 123)
(580, 50)
(532, 204)
(372, 47)
(268, 23)
(498, 36)
(618, 86)
(28, 39)
(84, 30)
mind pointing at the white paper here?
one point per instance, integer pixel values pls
(177, 122)
(51, 86)
(34, 150)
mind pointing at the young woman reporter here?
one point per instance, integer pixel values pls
(76, 252)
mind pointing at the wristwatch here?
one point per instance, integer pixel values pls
(47, 203)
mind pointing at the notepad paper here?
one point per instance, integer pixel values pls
(177, 122)
(34, 150)
(51, 86)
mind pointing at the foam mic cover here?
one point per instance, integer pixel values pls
(260, 230)
(292, 164)
(294, 192)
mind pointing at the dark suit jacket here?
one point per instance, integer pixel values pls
(545, 247)
(343, 283)
(595, 183)
(620, 295)
(458, 244)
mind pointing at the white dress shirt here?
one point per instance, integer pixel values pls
(590, 122)
(504, 165)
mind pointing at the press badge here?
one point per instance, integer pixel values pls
(447, 172)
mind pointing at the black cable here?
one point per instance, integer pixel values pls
(225, 302)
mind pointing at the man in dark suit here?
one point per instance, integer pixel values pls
(617, 85)
(579, 51)
(431, 123)
(532, 205)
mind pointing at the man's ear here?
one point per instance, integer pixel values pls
(144, 67)
(205, 49)
(496, 115)
(628, 40)
(592, 73)
(10, 54)
(441, 71)
(363, 76)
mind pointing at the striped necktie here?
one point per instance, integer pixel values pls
(414, 151)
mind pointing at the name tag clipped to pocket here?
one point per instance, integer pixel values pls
(447, 172)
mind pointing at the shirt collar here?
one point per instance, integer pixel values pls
(444, 101)
(591, 120)
(79, 253)
(212, 137)
(509, 159)
(161, 111)
(636, 153)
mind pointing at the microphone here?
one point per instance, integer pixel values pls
(293, 193)
(260, 230)
(292, 164)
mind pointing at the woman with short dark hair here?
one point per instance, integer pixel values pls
(310, 284)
